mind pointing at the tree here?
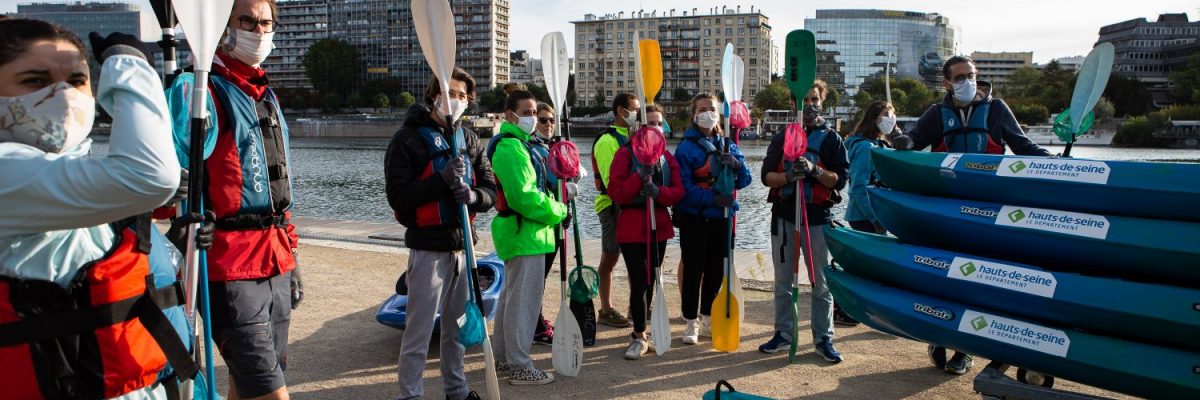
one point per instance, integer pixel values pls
(909, 96)
(1104, 110)
(599, 99)
(775, 96)
(493, 100)
(681, 94)
(572, 97)
(1186, 81)
(540, 93)
(356, 101)
(1030, 113)
(405, 100)
(332, 66)
(1128, 95)
(330, 102)
(381, 101)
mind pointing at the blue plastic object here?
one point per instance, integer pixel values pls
(394, 311)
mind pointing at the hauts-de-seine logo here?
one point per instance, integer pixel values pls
(979, 323)
(1017, 167)
(967, 269)
(1016, 215)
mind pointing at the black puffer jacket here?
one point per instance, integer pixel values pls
(406, 159)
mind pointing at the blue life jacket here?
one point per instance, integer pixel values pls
(444, 211)
(973, 137)
(542, 146)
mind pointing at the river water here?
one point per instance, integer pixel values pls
(342, 178)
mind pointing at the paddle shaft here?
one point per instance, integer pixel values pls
(562, 245)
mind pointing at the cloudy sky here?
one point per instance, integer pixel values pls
(1048, 28)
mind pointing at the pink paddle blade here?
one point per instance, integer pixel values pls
(739, 115)
(564, 159)
(795, 141)
(648, 144)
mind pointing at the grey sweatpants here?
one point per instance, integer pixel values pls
(822, 299)
(435, 278)
(520, 303)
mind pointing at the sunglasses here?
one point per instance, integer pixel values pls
(545, 120)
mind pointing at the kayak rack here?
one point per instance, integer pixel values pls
(993, 384)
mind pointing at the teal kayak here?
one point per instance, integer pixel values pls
(1146, 250)
(1123, 188)
(1161, 314)
(1123, 366)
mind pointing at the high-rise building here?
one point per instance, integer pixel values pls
(84, 18)
(1149, 51)
(856, 45)
(1072, 63)
(996, 67)
(301, 24)
(383, 33)
(692, 42)
(521, 67)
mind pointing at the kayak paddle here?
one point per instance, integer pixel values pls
(800, 71)
(166, 21)
(726, 307)
(434, 23)
(800, 64)
(582, 292)
(1089, 86)
(739, 118)
(648, 146)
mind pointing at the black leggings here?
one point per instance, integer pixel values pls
(641, 290)
(703, 244)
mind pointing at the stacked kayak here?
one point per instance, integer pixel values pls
(1083, 269)
(394, 311)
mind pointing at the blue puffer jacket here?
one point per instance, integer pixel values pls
(862, 174)
(692, 156)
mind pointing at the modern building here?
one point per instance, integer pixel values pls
(996, 67)
(84, 18)
(856, 45)
(521, 68)
(1072, 63)
(1149, 51)
(301, 24)
(383, 33)
(692, 42)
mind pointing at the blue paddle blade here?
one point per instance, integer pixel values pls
(470, 326)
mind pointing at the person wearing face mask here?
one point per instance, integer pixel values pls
(523, 233)
(700, 216)
(74, 259)
(543, 332)
(252, 262)
(624, 107)
(425, 185)
(874, 130)
(822, 170)
(969, 119)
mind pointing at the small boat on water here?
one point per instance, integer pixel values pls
(1044, 135)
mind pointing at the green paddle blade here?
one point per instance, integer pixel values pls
(800, 63)
(1065, 130)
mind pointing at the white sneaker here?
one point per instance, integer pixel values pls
(691, 335)
(705, 326)
(638, 345)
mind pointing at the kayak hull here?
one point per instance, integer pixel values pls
(394, 311)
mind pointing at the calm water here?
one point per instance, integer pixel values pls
(343, 179)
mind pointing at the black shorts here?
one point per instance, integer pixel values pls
(250, 321)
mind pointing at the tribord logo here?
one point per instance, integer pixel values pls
(978, 212)
(1017, 166)
(1017, 215)
(936, 312)
(967, 269)
(935, 262)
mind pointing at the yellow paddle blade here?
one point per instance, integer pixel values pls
(726, 335)
(652, 72)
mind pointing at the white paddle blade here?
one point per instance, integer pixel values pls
(727, 74)
(887, 79)
(739, 78)
(660, 323)
(203, 21)
(637, 73)
(434, 23)
(1090, 84)
(567, 350)
(492, 381)
(556, 69)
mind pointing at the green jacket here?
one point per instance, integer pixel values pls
(539, 212)
(606, 147)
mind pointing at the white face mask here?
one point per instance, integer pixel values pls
(631, 119)
(527, 124)
(707, 120)
(251, 48)
(886, 124)
(457, 107)
(52, 119)
(964, 92)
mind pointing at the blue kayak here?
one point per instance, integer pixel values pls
(1123, 188)
(1123, 366)
(1145, 312)
(1149, 250)
(394, 311)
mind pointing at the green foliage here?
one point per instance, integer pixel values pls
(599, 99)
(1186, 81)
(356, 101)
(381, 101)
(572, 97)
(405, 100)
(681, 94)
(330, 102)
(1139, 131)
(909, 96)
(1104, 110)
(1030, 113)
(775, 96)
(540, 92)
(492, 101)
(1051, 87)
(1129, 96)
(333, 66)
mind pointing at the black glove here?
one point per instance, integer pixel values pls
(722, 201)
(178, 231)
(730, 161)
(901, 142)
(646, 172)
(117, 43)
(297, 284)
(571, 191)
(463, 193)
(802, 167)
(650, 190)
(454, 171)
(566, 221)
(182, 192)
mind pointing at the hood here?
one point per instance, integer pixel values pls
(983, 94)
(419, 115)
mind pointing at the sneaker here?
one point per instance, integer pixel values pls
(777, 344)
(691, 334)
(638, 345)
(503, 370)
(960, 363)
(705, 326)
(825, 350)
(545, 338)
(840, 318)
(937, 355)
(470, 396)
(613, 318)
(530, 377)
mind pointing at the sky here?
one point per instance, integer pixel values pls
(1048, 28)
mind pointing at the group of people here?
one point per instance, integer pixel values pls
(79, 251)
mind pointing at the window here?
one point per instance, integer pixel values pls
(620, 35)
(741, 20)
(706, 72)
(753, 52)
(754, 41)
(708, 52)
(718, 21)
(729, 21)
(620, 25)
(707, 42)
(708, 32)
(753, 61)
(728, 31)
(741, 31)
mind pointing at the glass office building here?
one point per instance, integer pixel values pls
(856, 45)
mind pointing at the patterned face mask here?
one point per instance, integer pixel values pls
(52, 119)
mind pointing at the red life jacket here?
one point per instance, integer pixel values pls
(596, 170)
(444, 211)
(103, 336)
(814, 192)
